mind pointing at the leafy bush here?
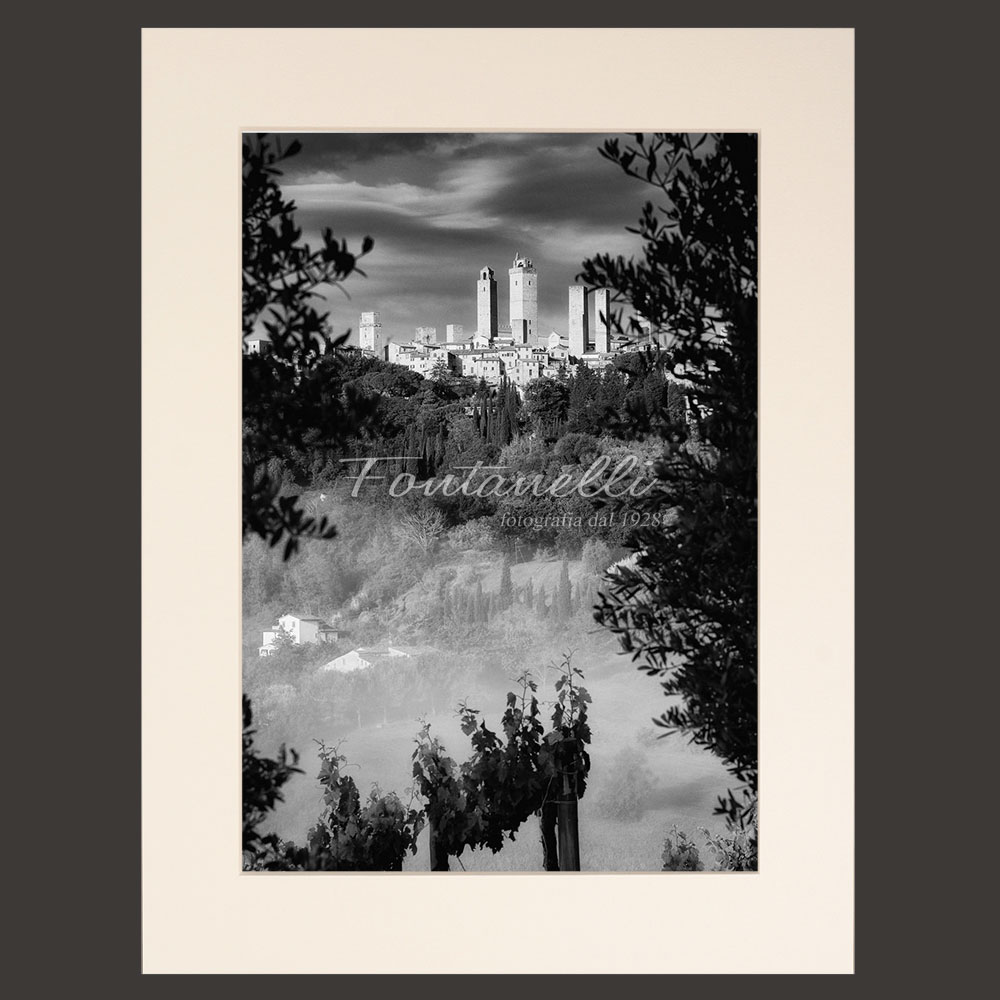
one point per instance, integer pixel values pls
(738, 850)
(477, 535)
(735, 851)
(680, 853)
(352, 835)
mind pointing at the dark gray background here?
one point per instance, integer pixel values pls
(72, 227)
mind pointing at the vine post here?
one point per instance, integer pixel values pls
(569, 826)
(438, 850)
(550, 848)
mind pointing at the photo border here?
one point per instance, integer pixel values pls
(197, 96)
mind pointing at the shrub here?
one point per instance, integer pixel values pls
(477, 534)
(735, 851)
(596, 556)
(680, 854)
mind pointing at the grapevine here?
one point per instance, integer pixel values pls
(508, 778)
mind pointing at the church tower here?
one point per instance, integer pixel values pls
(524, 295)
(486, 296)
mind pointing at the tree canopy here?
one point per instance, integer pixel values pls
(686, 606)
(291, 396)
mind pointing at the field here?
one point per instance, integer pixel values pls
(686, 779)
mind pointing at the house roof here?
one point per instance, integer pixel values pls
(417, 650)
(310, 618)
(377, 654)
(369, 656)
(321, 625)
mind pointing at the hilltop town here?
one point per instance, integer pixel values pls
(516, 351)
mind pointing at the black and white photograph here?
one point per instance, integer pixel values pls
(500, 490)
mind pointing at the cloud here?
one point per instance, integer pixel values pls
(440, 206)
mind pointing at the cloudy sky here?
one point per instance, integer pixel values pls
(441, 206)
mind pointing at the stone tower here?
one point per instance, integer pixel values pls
(524, 294)
(486, 296)
(602, 321)
(579, 320)
(370, 333)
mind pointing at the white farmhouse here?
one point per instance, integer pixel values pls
(302, 629)
(257, 344)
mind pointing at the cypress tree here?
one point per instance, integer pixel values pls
(440, 449)
(541, 606)
(564, 602)
(504, 433)
(428, 453)
(506, 586)
(412, 452)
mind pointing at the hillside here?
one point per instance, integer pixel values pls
(486, 568)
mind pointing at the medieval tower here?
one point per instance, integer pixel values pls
(602, 321)
(579, 320)
(370, 332)
(524, 295)
(486, 295)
